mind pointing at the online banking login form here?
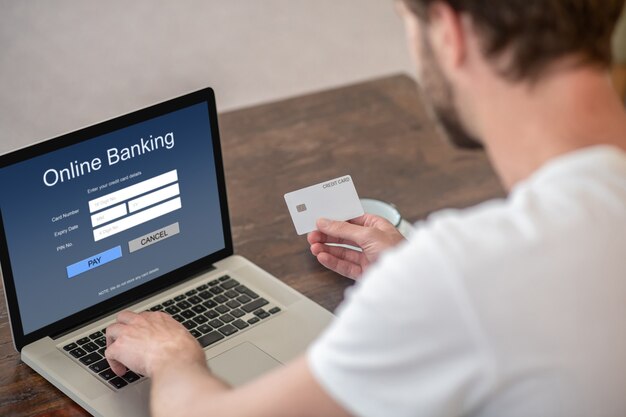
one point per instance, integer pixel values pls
(95, 219)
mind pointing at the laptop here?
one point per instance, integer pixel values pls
(132, 214)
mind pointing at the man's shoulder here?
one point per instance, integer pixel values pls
(538, 217)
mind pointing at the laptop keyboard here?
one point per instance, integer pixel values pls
(211, 312)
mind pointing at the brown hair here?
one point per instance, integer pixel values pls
(537, 32)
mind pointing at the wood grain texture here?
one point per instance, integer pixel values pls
(377, 131)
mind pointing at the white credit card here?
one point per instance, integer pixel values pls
(334, 199)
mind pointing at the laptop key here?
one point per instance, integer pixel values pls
(178, 318)
(247, 291)
(95, 335)
(184, 305)
(198, 309)
(101, 351)
(99, 366)
(233, 304)
(227, 285)
(191, 292)
(254, 320)
(156, 307)
(107, 374)
(231, 294)
(262, 314)
(255, 305)
(210, 338)
(222, 309)
(83, 341)
(90, 347)
(240, 324)
(216, 323)
(243, 299)
(167, 303)
(226, 318)
(274, 310)
(195, 333)
(224, 278)
(194, 300)
(202, 287)
(190, 324)
(213, 283)
(209, 304)
(102, 342)
(187, 314)
(205, 328)
(211, 314)
(237, 313)
(172, 310)
(130, 376)
(78, 352)
(91, 358)
(227, 330)
(180, 297)
(216, 290)
(200, 319)
(220, 299)
(69, 347)
(205, 295)
(118, 382)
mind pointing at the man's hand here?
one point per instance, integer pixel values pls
(371, 233)
(155, 345)
(149, 342)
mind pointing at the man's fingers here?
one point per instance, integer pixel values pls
(315, 237)
(361, 220)
(345, 268)
(345, 254)
(113, 332)
(127, 317)
(341, 230)
(319, 237)
(116, 366)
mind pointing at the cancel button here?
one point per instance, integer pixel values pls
(153, 237)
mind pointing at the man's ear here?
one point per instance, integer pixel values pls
(447, 36)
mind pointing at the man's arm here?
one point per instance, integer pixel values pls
(290, 390)
(157, 346)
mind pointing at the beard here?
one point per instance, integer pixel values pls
(439, 95)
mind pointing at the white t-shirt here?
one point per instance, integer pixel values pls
(515, 307)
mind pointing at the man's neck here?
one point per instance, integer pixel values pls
(525, 126)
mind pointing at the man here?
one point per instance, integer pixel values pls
(511, 308)
(619, 57)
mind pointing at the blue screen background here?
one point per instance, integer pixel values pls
(45, 293)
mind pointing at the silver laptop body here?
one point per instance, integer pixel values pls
(132, 214)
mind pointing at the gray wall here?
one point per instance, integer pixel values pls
(65, 64)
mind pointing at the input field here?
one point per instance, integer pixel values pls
(153, 198)
(108, 215)
(127, 193)
(136, 219)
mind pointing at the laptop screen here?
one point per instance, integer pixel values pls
(92, 220)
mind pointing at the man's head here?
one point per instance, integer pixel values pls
(519, 41)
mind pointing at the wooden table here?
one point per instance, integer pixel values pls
(377, 131)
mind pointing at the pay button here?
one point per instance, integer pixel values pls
(94, 261)
(153, 237)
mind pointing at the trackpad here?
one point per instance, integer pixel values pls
(241, 364)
